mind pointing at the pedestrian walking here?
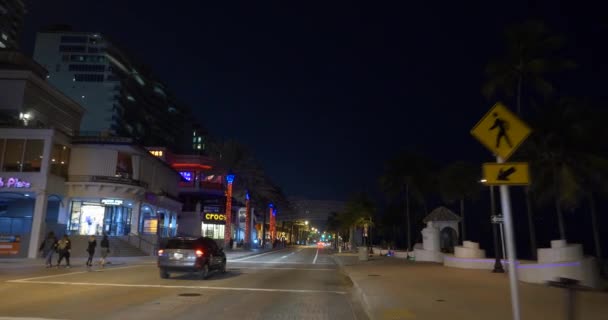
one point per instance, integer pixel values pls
(91, 250)
(64, 247)
(105, 249)
(48, 247)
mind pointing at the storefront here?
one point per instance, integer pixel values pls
(104, 216)
(213, 222)
(159, 221)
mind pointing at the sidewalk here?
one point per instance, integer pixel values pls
(394, 289)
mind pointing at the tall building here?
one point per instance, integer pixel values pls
(121, 96)
(11, 22)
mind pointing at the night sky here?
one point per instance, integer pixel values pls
(325, 92)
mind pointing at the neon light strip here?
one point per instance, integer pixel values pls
(192, 165)
(549, 265)
(476, 260)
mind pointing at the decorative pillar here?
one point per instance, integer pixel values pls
(247, 239)
(228, 227)
(136, 217)
(273, 223)
(38, 225)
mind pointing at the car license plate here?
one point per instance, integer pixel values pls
(178, 255)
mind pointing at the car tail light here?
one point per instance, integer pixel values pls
(161, 252)
(199, 253)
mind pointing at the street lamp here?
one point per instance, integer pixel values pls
(497, 252)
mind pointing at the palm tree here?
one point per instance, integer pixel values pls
(567, 159)
(358, 213)
(410, 176)
(529, 59)
(459, 181)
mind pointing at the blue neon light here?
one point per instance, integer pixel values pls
(247, 196)
(270, 205)
(274, 212)
(186, 175)
(230, 178)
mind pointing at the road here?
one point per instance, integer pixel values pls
(293, 283)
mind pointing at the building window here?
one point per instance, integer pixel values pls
(88, 77)
(60, 157)
(213, 231)
(32, 158)
(87, 58)
(64, 48)
(73, 39)
(65, 57)
(87, 67)
(13, 153)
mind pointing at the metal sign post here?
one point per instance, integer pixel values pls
(502, 133)
(505, 201)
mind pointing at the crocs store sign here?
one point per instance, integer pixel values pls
(14, 183)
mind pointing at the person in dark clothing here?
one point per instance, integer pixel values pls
(64, 247)
(91, 250)
(105, 249)
(48, 247)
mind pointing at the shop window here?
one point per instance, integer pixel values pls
(32, 158)
(60, 156)
(213, 231)
(13, 153)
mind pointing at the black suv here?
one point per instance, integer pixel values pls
(200, 255)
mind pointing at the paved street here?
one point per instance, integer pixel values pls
(293, 283)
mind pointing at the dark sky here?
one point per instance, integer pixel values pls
(325, 92)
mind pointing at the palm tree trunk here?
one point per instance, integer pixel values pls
(558, 204)
(407, 216)
(596, 233)
(531, 226)
(464, 230)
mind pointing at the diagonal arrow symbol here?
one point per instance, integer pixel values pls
(503, 175)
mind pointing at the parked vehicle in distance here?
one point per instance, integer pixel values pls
(191, 255)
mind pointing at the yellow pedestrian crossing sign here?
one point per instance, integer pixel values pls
(501, 131)
(509, 173)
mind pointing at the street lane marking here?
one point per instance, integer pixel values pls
(282, 262)
(257, 255)
(176, 287)
(286, 268)
(73, 273)
(316, 256)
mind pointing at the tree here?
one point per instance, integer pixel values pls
(358, 213)
(566, 156)
(459, 181)
(410, 176)
(529, 59)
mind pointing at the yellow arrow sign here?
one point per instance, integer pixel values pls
(501, 131)
(510, 173)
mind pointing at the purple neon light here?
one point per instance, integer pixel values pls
(476, 260)
(549, 265)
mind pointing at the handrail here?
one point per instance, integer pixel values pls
(107, 179)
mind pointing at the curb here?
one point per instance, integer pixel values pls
(358, 291)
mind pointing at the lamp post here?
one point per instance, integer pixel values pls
(497, 250)
(228, 226)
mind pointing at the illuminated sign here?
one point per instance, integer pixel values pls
(215, 216)
(112, 202)
(186, 175)
(14, 183)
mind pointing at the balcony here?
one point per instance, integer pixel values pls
(108, 179)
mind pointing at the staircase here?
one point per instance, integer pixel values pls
(118, 247)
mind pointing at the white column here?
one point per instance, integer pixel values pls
(38, 225)
(135, 216)
(64, 211)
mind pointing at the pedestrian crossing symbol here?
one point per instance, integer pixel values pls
(501, 131)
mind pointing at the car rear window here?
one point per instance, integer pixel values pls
(180, 244)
